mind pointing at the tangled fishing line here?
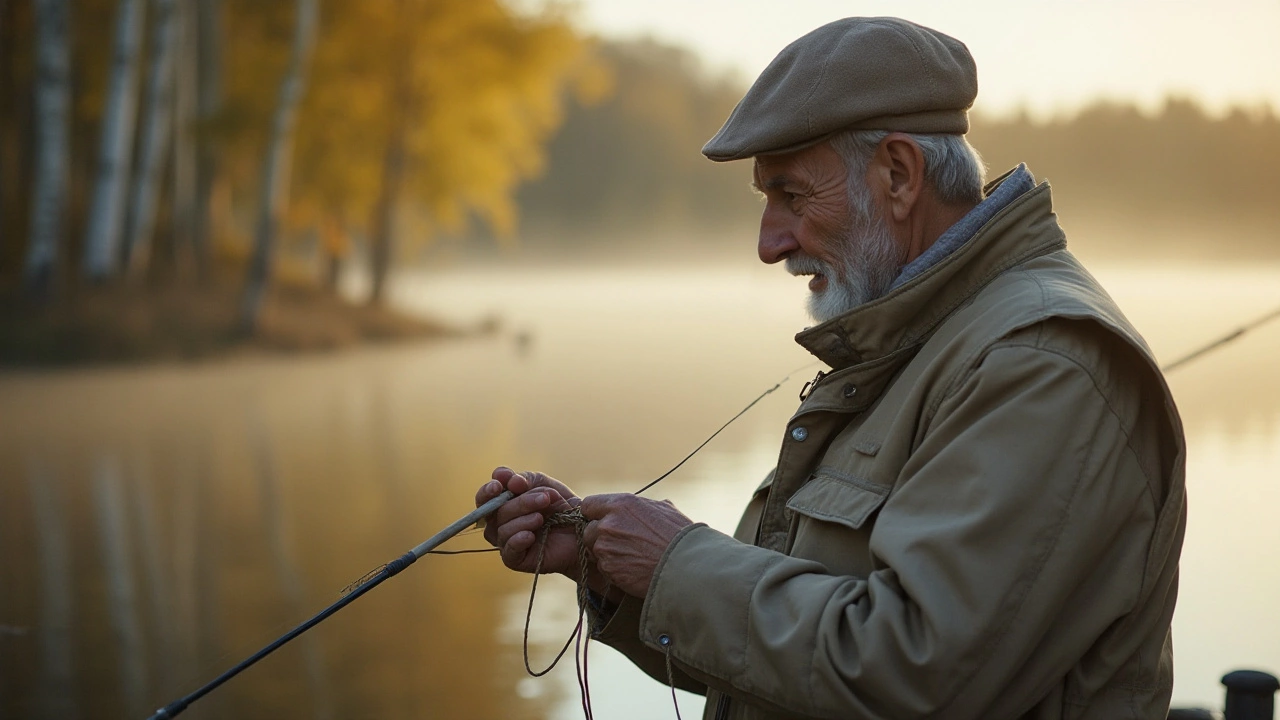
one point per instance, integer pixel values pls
(582, 633)
(580, 637)
(572, 518)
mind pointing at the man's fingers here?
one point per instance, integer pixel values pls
(595, 507)
(518, 483)
(525, 511)
(591, 533)
(521, 505)
(524, 523)
(488, 491)
(514, 550)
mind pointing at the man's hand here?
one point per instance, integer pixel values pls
(515, 526)
(627, 536)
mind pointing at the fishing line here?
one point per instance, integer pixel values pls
(580, 637)
(564, 518)
(741, 412)
(382, 573)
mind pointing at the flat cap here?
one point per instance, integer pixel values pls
(853, 74)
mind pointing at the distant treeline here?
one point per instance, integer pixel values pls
(1137, 183)
(628, 169)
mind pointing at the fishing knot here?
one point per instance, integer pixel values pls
(566, 518)
(572, 518)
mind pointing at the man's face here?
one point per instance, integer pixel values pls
(819, 227)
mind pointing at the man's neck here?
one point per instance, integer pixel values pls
(934, 219)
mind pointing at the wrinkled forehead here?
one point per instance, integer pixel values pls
(813, 163)
(764, 166)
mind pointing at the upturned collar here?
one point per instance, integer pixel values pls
(907, 315)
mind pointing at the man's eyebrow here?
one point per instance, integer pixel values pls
(772, 183)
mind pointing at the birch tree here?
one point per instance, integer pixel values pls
(275, 170)
(425, 115)
(49, 189)
(403, 101)
(106, 212)
(153, 138)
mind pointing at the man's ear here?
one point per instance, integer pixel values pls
(897, 169)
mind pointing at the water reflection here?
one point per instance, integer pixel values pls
(57, 685)
(156, 525)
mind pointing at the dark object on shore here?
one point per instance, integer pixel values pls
(1250, 696)
(1192, 714)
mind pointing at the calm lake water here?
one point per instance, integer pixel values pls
(158, 524)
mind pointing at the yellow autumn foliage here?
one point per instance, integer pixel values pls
(475, 87)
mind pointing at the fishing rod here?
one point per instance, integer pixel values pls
(392, 568)
(375, 578)
(1228, 338)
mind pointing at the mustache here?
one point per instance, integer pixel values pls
(799, 263)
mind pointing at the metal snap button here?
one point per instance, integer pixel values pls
(799, 434)
(664, 640)
(850, 390)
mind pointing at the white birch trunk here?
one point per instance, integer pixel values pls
(106, 212)
(122, 599)
(49, 190)
(275, 172)
(153, 141)
(57, 592)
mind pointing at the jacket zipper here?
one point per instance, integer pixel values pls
(812, 385)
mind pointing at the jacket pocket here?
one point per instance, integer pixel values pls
(834, 497)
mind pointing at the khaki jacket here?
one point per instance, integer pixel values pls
(976, 514)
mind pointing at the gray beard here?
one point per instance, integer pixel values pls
(867, 261)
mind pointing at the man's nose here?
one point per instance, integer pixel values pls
(777, 238)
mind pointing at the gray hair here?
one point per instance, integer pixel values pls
(951, 165)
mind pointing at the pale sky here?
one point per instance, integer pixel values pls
(1050, 56)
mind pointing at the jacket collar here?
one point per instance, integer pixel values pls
(908, 315)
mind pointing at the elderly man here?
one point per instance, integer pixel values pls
(977, 512)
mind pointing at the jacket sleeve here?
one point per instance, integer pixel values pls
(1020, 483)
(618, 627)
